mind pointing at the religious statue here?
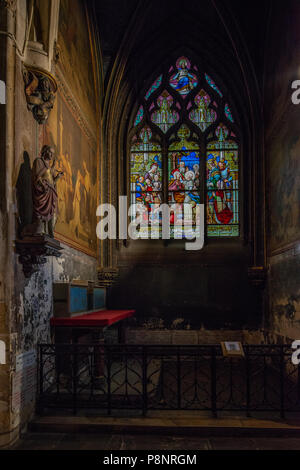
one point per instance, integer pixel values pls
(36, 241)
(44, 194)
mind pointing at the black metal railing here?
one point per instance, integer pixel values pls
(146, 378)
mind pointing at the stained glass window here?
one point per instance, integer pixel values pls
(168, 163)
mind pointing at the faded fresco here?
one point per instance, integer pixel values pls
(284, 184)
(282, 129)
(77, 189)
(75, 54)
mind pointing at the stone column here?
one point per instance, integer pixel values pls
(8, 430)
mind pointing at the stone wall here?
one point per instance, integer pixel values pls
(26, 304)
(190, 295)
(283, 172)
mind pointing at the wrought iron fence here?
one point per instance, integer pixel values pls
(146, 378)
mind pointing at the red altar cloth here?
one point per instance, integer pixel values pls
(98, 319)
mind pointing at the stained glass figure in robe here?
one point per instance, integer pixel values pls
(222, 185)
(183, 81)
(146, 175)
(184, 175)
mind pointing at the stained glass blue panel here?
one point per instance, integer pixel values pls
(213, 85)
(154, 87)
(228, 113)
(183, 164)
(139, 116)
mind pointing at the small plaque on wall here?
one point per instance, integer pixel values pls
(232, 349)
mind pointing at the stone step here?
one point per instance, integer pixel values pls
(177, 423)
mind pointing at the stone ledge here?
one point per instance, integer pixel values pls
(177, 423)
(191, 337)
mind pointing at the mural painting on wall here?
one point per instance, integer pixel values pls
(75, 54)
(284, 196)
(77, 188)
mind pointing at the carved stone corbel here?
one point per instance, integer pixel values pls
(33, 252)
(40, 90)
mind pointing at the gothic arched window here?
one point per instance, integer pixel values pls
(184, 150)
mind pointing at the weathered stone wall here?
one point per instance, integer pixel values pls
(33, 297)
(284, 285)
(190, 295)
(194, 337)
(26, 304)
(283, 171)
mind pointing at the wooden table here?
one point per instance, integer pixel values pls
(71, 328)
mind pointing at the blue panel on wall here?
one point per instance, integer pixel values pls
(78, 299)
(99, 298)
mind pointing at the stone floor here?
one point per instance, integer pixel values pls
(54, 441)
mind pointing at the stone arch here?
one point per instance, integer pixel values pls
(127, 80)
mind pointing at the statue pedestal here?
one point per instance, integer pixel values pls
(34, 250)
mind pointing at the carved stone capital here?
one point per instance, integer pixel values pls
(33, 252)
(107, 276)
(40, 91)
(258, 276)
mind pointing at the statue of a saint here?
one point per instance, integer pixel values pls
(44, 194)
